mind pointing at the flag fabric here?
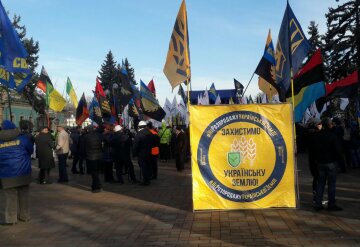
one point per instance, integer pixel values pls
(291, 49)
(212, 93)
(181, 92)
(54, 99)
(82, 112)
(266, 66)
(306, 97)
(133, 109)
(43, 80)
(150, 105)
(310, 73)
(71, 92)
(218, 100)
(95, 111)
(250, 100)
(343, 88)
(177, 66)
(174, 107)
(14, 70)
(205, 98)
(239, 91)
(305, 92)
(231, 101)
(102, 101)
(266, 88)
(99, 91)
(151, 86)
(126, 89)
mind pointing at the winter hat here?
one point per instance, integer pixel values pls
(117, 128)
(7, 125)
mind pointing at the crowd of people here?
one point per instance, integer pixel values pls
(333, 147)
(94, 150)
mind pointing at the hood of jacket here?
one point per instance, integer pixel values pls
(8, 135)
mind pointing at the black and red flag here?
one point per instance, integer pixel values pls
(343, 88)
(82, 112)
(43, 79)
(103, 101)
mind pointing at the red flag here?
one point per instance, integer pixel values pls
(99, 91)
(151, 87)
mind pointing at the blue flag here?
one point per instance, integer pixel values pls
(95, 111)
(212, 93)
(291, 49)
(181, 92)
(14, 71)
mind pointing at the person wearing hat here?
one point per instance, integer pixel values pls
(155, 142)
(142, 149)
(45, 145)
(62, 149)
(15, 172)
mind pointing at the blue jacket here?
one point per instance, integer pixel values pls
(15, 159)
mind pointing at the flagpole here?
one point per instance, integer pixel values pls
(9, 101)
(247, 85)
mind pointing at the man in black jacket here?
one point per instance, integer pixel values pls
(328, 153)
(93, 154)
(142, 149)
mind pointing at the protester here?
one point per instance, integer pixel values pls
(108, 155)
(165, 137)
(180, 148)
(62, 150)
(118, 145)
(45, 146)
(75, 151)
(328, 152)
(155, 142)
(15, 172)
(314, 126)
(93, 153)
(142, 149)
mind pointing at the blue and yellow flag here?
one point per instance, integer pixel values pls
(291, 49)
(177, 66)
(242, 156)
(14, 70)
(212, 93)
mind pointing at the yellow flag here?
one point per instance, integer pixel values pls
(55, 100)
(267, 88)
(71, 92)
(177, 66)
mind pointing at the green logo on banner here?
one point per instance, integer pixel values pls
(234, 159)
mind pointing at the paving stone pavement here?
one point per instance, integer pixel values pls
(162, 215)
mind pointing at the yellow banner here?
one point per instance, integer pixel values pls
(242, 156)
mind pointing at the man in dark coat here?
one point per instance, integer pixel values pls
(93, 154)
(44, 147)
(15, 172)
(142, 149)
(75, 151)
(328, 152)
(180, 148)
(108, 155)
(155, 143)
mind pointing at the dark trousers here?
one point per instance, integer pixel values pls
(63, 176)
(77, 159)
(94, 166)
(327, 172)
(17, 204)
(119, 164)
(154, 166)
(145, 167)
(130, 168)
(108, 173)
(180, 161)
(164, 151)
(44, 175)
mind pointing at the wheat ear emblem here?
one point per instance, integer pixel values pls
(247, 148)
